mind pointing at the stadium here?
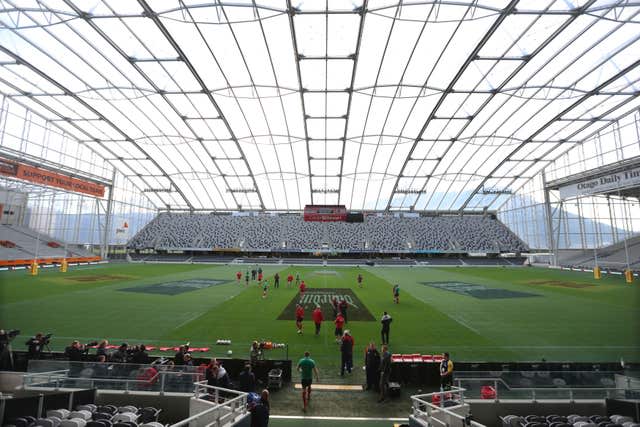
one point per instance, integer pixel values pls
(185, 185)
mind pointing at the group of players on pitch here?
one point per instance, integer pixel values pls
(257, 274)
(306, 365)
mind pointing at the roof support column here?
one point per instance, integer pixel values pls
(104, 247)
(553, 249)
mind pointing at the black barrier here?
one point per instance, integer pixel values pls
(84, 397)
(423, 374)
(56, 401)
(19, 407)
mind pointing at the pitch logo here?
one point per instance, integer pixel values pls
(177, 287)
(356, 309)
(477, 291)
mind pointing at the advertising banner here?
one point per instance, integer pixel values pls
(602, 185)
(48, 178)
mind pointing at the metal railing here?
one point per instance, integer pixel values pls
(436, 414)
(534, 393)
(161, 381)
(226, 406)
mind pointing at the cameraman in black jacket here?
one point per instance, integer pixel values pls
(36, 344)
(76, 351)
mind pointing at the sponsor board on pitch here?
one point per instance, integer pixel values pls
(477, 291)
(322, 297)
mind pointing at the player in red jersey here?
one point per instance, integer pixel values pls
(303, 287)
(238, 276)
(299, 317)
(289, 280)
(339, 325)
(317, 318)
(259, 278)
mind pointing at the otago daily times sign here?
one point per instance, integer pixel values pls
(604, 184)
(49, 178)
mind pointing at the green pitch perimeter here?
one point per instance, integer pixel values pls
(564, 316)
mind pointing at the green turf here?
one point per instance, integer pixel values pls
(589, 321)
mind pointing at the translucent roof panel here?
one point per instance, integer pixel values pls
(274, 104)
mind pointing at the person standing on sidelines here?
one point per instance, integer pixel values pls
(238, 276)
(317, 318)
(307, 367)
(260, 278)
(339, 322)
(260, 412)
(359, 280)
(385, 372)
(299, 317)
(276, 281)
(246, 278)
(297, 278)
(396, 294)
(334, 305)
(372, 366)
(289, 280)
(386, 322)
(446, 372)
(346, 353)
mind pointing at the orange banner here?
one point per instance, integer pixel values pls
(52, 179)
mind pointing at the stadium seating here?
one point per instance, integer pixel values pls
(91, 415)
(25, 243)
(568, 421)
(282, 233)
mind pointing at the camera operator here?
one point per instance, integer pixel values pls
(140, 355)
(76, 351)
(36, 344)
(121, 355)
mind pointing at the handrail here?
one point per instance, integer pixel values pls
(533, 390)
(236, 406)
(60, 376)
(430, 409)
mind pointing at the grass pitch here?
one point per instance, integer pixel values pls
(477, 314)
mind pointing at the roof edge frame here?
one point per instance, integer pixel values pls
(485, 38)
(90, 108)
(154, 17)
(363, 13)
(296, 56)
(134, 64)
(498, 90)
(553, 120)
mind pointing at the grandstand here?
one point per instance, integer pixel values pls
(290, 233)
(469, 167)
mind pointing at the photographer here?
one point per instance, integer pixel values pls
(140, 355)
(76, 351)
(36, 344)
(121, 355)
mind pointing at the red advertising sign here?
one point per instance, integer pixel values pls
(48, 178)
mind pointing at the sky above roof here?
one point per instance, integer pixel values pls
(275, 104)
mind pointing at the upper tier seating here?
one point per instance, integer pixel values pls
(183, 231)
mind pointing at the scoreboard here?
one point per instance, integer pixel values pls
(325, 213)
